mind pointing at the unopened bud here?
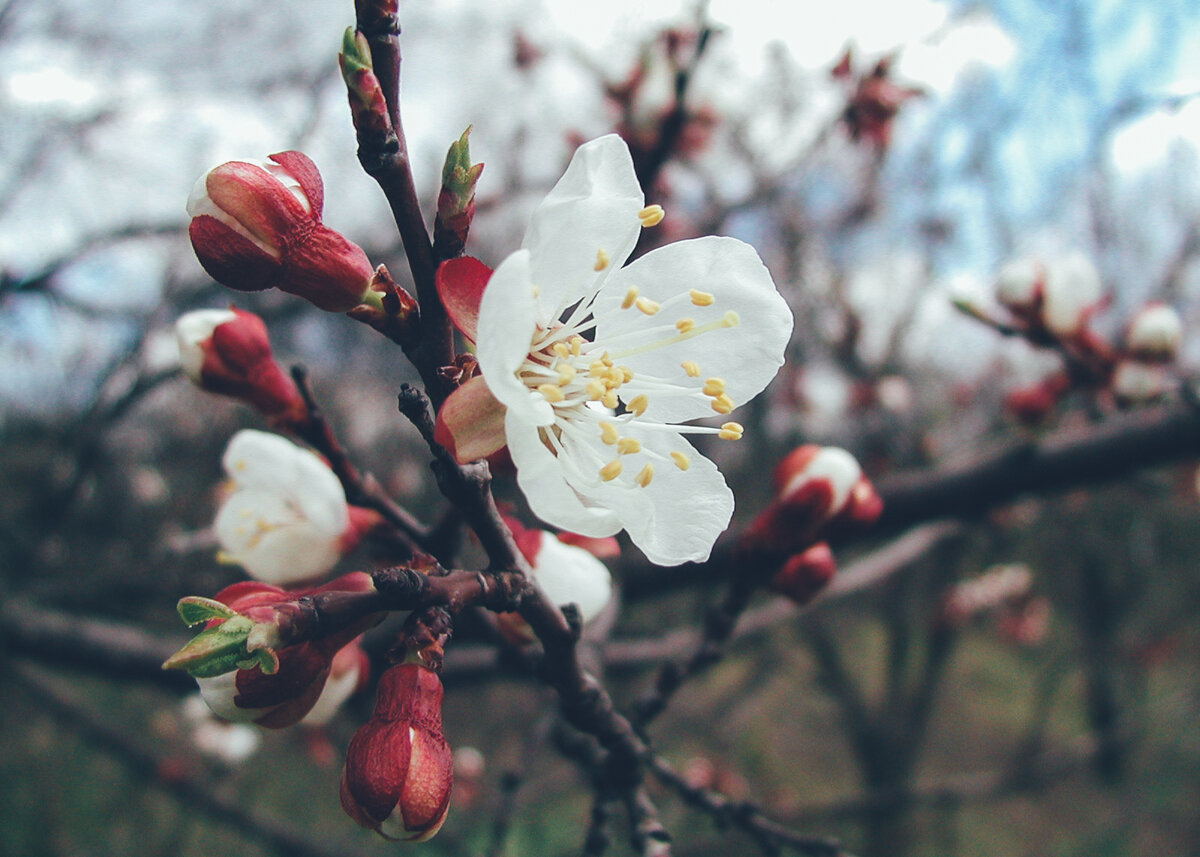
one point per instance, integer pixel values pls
(1135, 382)
(399, 768)
(805, 574)
(228, 352)
(1154, 333)
(1020, 284)
(456, 200)
(257, 225)
(813, 485)
(1073, 292)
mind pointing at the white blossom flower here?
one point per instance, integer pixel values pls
(590, 367)
(287, 518)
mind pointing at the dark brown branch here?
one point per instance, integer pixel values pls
(362, 489)
(1062, 461)
(385, 158)
(770, 836)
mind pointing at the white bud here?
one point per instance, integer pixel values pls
(1019, 283)
(1155, 332)
(1072, 291)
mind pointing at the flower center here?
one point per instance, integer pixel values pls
(596, 397)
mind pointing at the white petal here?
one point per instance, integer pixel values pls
(689, 508)
(261, 460)
(593, 207)
(571, 575)
(746, 356)
(507, 321)
(219, 692)
(274, 543)
(543, 479)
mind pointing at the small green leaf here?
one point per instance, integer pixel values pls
(265, 659)
(214, 650)
(193, 610)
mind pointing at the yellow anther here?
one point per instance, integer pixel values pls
(611, 471)
(566, 373)
(595, 390)
(700, 298)
(647, 306)
(691, 367)
(713, 386)
(551, 392)
(601, 260)
(685, 324)
(722, 404)
(630, 297)
(608, 433)
(629, 445)
(638, 404)
(605, 359)
(609, 399)
(681, 460)
(596, 369)
(615, 376)
(626, 374)
(561, 349)
(576, 345)
(644, 475)
(651, 215)
(731, 319)
(731, 431)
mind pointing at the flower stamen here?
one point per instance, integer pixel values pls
(628, 446)
(630, 296)
(651, 215)
(731, 431)
(647, 306)
(638, 404)
(601, 260)
(644, 475)
(691, 367)
(611, 471)
(681, 460)
(700, 298)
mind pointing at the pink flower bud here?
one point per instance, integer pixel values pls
(227, 352)
(281, 698)
(1154, 333)
(805, 574)
(399, 768)
(258, 225)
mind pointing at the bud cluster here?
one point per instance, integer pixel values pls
(1051, 303)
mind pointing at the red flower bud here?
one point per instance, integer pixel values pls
(813, 484)
(228, 352)
(258, 226)
(281, 698)
(399, 768)
(805, 574)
